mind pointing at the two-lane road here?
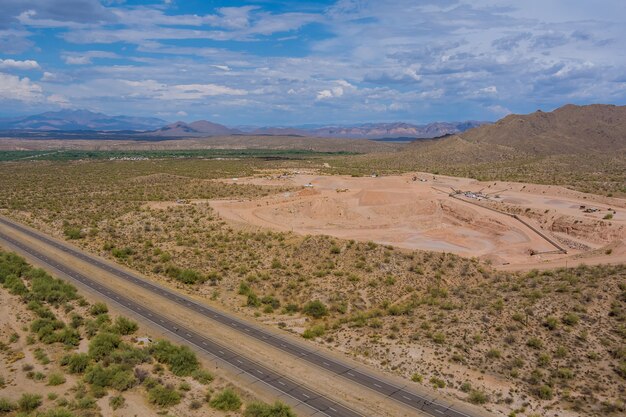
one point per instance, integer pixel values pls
(411, 399)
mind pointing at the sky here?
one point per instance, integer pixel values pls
(293, 63)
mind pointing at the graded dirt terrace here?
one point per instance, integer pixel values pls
(418, 212)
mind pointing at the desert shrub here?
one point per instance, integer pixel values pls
(570, 319)
(124, 326)
(259, 409)
(466, 387)
(494, 354)
(46, 288)
(253, 299)
(76, 363)
(116, 402)
(29, 402)
(57, 412)
(315, 309)
(6, 406)
(417, 377)
(438, 338)
(314, 331)
(98, 308)
(114, 376)
(122, 253)
(534, 343)
(163, 396)
(544, 392)
(128, 356)
(227, 400)
(103, 344)
(202, 376)
(551, 323)
(180, 359)
(437, 382)
(73, 232)
(55, 379)
(41, 356)
(477, 397)
(15, 285)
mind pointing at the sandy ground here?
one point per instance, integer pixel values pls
(420, 214)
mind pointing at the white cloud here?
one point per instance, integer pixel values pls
(13, 87)
(499, 110)
(155, 89)
(85, 58)
(19, 65)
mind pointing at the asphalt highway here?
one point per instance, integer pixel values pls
(319, 402)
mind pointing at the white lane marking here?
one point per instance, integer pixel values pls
(239, 361)
(376, 385)
(281, 383)
(305, 395)
(406, 398)
(350, 373)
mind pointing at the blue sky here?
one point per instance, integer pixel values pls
(290, 63)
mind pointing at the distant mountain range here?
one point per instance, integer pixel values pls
(71, 120)
(84, 120)
(363, 131)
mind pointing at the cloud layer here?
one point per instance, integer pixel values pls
(349, 61)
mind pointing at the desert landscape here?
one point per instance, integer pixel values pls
(446, 214)
(337, 208)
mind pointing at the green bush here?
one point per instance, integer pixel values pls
(477, 397)
(544, 392)
(124, 326)
(55, 379)
(98, 308)
(202, 376)
(570, 319)
(57, 412)
(315, 309)
(103, 344)
(116, 402)
(73, 232)
(259, 409)
(437, 382)
(46, 288)
(15, 285)
(163, 396)
(534, 343)
(76, 363)
(314, 331)
(227, 400)
(29, 402)
(114, 376)
(180, 359)
(6, 406)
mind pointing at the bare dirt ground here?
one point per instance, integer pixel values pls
(420, 214)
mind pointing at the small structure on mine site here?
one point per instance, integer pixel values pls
(308, 185)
